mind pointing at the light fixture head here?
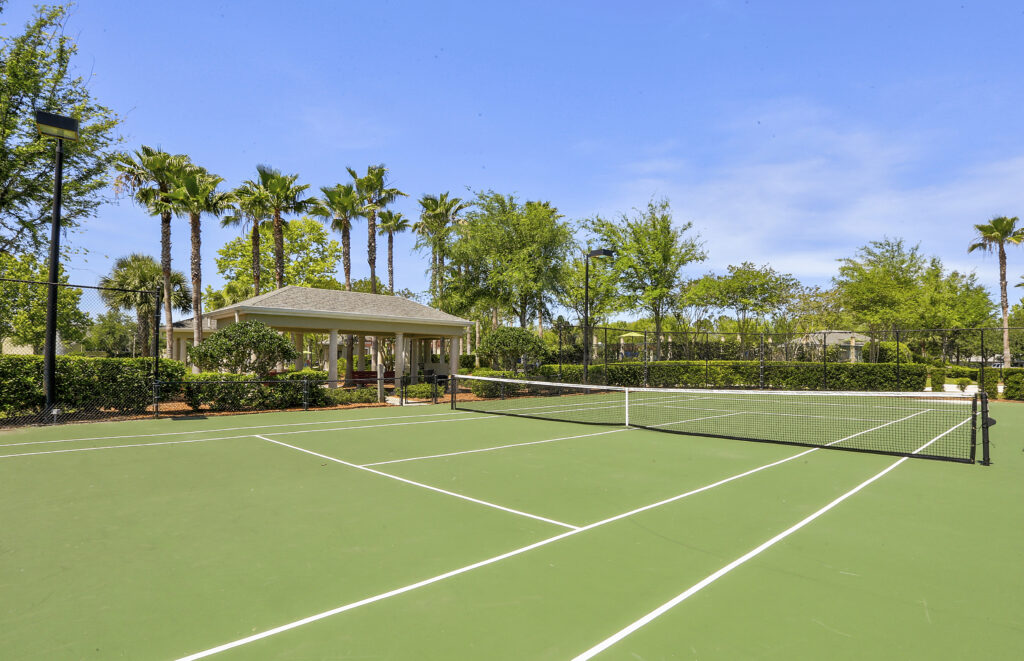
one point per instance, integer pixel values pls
(601, 252)
(57, 126)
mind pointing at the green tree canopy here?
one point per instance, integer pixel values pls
(753, 293)
(310, 257)
(23, 306)
(248, 347)
(36, 73)
(512, 348)
(880, 286)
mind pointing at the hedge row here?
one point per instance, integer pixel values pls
(746, 374)
(85, 385)
(1013, 387)
(213, 391)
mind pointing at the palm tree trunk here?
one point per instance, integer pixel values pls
(433, 273)
(197, 282)
(371, 249)
(1006, 307)
(256, 258)
(391, 262)
(346, 257)
(142, 331)
(165, 266)
(279, 248)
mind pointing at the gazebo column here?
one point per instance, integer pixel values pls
(414, 352)
(453, 354)
(360, 352)
(375, 349)
(332, 359)
(399, 357)
(182, 354)
(300, 359)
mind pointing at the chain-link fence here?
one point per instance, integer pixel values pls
(105, 360)
(886, 360)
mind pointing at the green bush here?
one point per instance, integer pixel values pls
(467, 362)
(240, 392)
(887, 352)
(360, 395)
(1013, 387)
(85, 385)
(512, 347)
(419, 391)
(938, 377)
(960, 372)
(316, 390)
(248, 347)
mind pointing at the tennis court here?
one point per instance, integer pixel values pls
(432, 533)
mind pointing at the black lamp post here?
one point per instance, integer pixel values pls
(600, 252)
(62, 128)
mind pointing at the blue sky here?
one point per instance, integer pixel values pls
(789, 133)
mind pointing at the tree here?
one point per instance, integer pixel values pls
(252, 211)
(649, 257)
(993, 237)
(438, 216)
(880, 286)
(248, 347)
(753, 293)
(512, 348)
(310, 258)
(376, 194)
(37, 73)
(137, 273)
(391, 223)
(148, 176)
(509, 254)
(24, 304)
(233, 292)
(284, 196)
(193, 194)
(604, 291)
(341, 204)
(113, 333)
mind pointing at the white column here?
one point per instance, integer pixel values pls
(399, 356)
(375, 355)
(332, 359)
(360, 352)
(414, 352)
(300, 359)
(453, 355)
(182, 354)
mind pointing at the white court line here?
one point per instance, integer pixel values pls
(420, 484)
(231, 438)
(497, 447)
(711, 578)
(791, 415)
(483, 563)
(223, 429)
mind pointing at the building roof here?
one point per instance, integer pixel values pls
(189, 324)
(332, 302)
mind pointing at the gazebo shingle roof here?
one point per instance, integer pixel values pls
(307, 299)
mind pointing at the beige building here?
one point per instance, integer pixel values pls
(300, 310)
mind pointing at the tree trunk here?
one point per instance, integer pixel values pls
(1006, 307)
(279, 248)
(346, 260)
(142, 331)
(523, 322)
(540, 325)
(371, 249)
(391, 262)
(657, 337)
(197, 281)
(165, 266)
(256, 258)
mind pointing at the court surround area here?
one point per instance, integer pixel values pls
(427, 533)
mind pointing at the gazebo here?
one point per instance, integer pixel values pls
(300, 310)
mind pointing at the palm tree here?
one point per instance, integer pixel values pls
(148, 175)
(391, 223)
(284, 196)
(195, 193)
(993, 236)
(439, 214)
(342, 204)
(376, 194)
(138, 273)
(253, 210)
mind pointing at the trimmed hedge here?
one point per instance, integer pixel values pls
(246, 392)
(746, 374)
(1013, 387)
(938, 378)
(85, 385)
(467, 361)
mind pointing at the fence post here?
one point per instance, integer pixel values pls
(897, 331)
(560, 352)
(760, 374)
(707, 363)
(156, 398)
(824, 361)
(984, 362)
(646, 368)
(305, 394)
(605, 355)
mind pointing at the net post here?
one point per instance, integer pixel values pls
(559, 352)
(707, 359)
(986, 422)
(605, 355)
(156, 398)
(627, 406)
(453, 386)
(974, 427)
(824, 360)
(760, 369)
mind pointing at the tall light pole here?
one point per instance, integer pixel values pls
(62, 128)
(600, 252)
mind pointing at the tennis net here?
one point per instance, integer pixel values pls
(920, 424)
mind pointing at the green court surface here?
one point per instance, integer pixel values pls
(426, 533)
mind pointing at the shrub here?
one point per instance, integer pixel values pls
(467, 362)
(419, 391)
(963, 383)
(315, 390)
(512, 347)
(887, 352)
(1013, 387)
(938, 377)
(242, 348)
